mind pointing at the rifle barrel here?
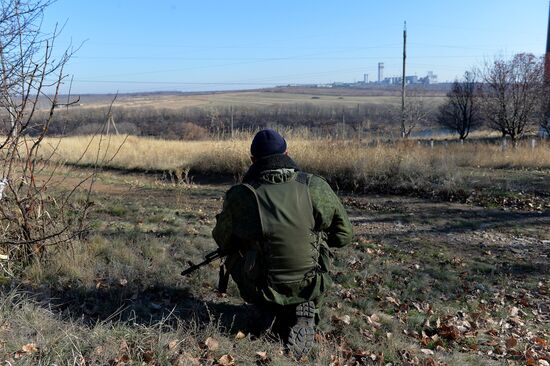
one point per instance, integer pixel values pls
(210, 257)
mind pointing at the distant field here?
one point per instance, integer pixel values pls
(253, 99)
(474, 171)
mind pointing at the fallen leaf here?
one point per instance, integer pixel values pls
(148, 356)
(123, 346)
(172, 345)
(374, 320)
(427, 351)
(123, 282)
(186, 359)
(29, 348)
(240, 335)
(516, 320)
(449, 332)
(514, 311)
(346, 319)
(226, 360)
(263, 357)
(392, 300)
(211, 344)
(122, 360)
(430, 361)
(511, 342)
(335, 361)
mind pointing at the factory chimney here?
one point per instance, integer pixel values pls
(365, 78)
(380, 72)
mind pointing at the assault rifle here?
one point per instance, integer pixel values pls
(223, 279)
(210, 257)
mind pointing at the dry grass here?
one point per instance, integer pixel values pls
(57, 339)
(118, 294)
(315, 154)
(397, 167)
(244, 99)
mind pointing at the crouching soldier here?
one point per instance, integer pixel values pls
(277, 228)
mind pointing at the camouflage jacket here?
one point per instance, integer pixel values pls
(238, 226)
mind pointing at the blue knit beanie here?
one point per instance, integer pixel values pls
(267, 142)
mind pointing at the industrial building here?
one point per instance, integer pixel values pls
(430, 78)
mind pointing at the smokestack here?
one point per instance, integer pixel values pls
(365, 78)
(547, 60)
(380, 72)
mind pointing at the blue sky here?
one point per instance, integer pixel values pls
(132, 46)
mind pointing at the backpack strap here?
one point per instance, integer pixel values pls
(255, 184)
(303, 178)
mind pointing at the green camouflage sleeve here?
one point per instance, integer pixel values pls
(223, 230)
(238, 224)
(330, 215)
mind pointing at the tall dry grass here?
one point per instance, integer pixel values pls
(348, 164)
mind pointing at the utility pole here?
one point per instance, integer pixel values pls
(547, 69)
(232, 122)
(547, 57)
(111, 121)
(403, 81)
(343, 123)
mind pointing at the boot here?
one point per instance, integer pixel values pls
(302, 335)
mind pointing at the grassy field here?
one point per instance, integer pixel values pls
(452, 171)
(245, 99)
(423, 283)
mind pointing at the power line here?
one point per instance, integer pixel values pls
(263, 59)
(230, 47)
(170, 82)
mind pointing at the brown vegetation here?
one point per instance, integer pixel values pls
(446, 169)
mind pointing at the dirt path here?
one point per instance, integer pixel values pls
(522, 236)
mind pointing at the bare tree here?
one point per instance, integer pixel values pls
(31, 216)
(461, 112)
(513, 94)
(416, 113)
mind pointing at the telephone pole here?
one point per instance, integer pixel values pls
(111, 121)
(547, 68)
(547, 56)
(232, 133)
(403, 81)
(343, 123)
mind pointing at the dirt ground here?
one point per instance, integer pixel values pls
(424, 282)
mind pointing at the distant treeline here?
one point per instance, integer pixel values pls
(207, 121)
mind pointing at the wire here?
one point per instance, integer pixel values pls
(263, 59)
